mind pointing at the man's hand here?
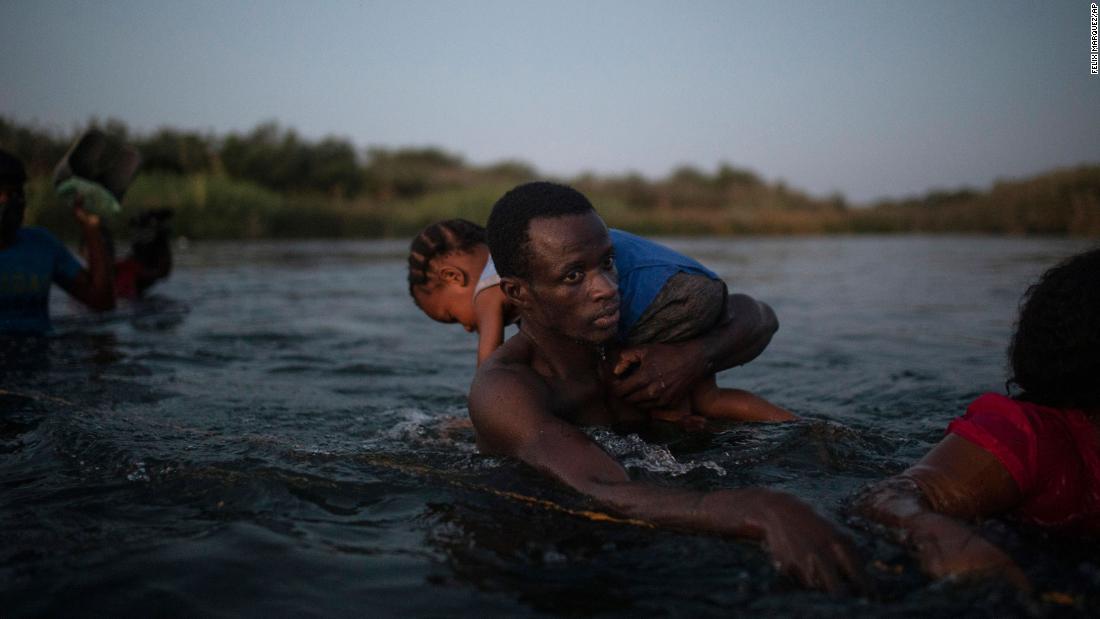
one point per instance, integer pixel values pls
(658, 375)
(85, 218)
(509, 407)
(807, 547)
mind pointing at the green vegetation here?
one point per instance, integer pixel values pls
(1062, 202)
(272, 183)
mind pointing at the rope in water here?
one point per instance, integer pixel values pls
(423, 470)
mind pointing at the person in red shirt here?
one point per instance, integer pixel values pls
(150, 258)
(1034, 456)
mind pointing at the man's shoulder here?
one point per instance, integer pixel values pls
(506, 399)
(37, 234)
(506, 375)
(506, 371)
(37, 244)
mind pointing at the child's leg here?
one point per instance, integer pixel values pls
(736, 404)
(673, 413)
(680, 414)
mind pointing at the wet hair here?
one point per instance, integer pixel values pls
(510, 222)
(12, 171)
(440, 239)
(150, 231)
(1055, 352)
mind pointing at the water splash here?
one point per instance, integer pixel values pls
(634, 452)
(414, 427)
(138, 472)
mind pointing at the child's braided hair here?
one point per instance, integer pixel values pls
(440, 239)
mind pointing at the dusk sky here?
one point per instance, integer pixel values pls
(871, 99)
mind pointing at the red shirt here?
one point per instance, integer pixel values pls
(1053, 454)
(126, 272)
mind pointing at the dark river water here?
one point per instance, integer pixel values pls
(276, 432)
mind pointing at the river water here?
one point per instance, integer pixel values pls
(277, 432)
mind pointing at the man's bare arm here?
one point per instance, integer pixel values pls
(929, 504)
(510, 417)
(659, 375)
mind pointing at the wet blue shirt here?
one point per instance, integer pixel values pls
(644, 267)
(27, 268)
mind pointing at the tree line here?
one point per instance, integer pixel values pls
(272, 182)
(273, 157)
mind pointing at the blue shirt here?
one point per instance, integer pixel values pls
(27, 268)
(644, 267)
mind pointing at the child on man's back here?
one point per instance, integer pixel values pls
(452, 279)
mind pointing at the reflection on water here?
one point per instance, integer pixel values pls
(279, 431)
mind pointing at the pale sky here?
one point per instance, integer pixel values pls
(875, 98)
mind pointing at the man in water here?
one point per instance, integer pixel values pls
(556, 263)
(31, 259)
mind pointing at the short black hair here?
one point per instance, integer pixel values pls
(1055, 352)
(12, 171)
(510, 221)
(439, 239)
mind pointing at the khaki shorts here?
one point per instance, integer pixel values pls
(687, 306)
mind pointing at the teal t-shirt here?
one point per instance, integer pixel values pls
(27, 268)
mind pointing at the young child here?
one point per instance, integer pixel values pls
(452, 279)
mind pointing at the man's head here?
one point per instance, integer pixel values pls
(556, 262)
(12, 199)
(508, 230)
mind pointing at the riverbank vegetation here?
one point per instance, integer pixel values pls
(272, 183)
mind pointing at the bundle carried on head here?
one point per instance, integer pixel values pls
(96, 172)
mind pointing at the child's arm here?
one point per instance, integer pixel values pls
(489, 306)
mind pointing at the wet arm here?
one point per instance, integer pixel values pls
(746, 332)
(510, 420)
(95, 285)
(929, 506)
(489, 309)
(658, 375)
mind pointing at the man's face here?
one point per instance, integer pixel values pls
(12, 204)
(574, 287)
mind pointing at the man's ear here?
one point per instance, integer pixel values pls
(453, 275)
(516, 291)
